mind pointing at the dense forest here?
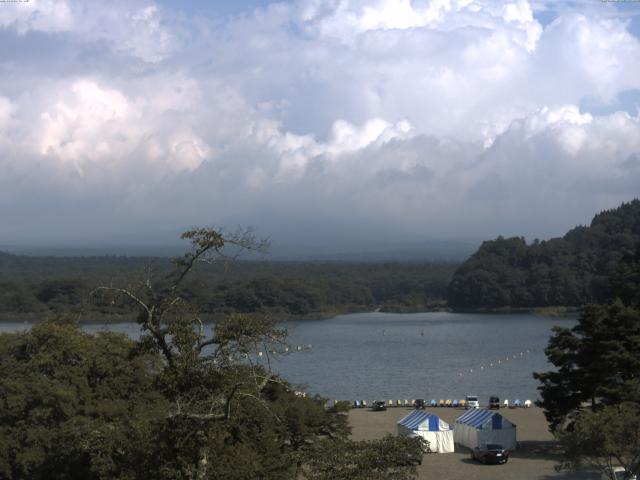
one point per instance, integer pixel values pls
(569, 271)
(177, 403)
(33, 288)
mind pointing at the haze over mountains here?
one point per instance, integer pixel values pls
(433, 250)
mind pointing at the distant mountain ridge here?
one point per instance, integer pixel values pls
(428, 250)
(570, 271)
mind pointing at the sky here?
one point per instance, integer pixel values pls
(318, 122)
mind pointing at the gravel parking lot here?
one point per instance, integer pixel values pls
(535, 458)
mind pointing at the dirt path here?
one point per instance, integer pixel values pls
(535, 459)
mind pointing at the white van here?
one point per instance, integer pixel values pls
(472, 402)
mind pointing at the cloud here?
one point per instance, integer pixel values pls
(136, 28)
(386, 118)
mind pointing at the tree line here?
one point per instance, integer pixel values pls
(573, 270)
(37, 287)
(592, 397)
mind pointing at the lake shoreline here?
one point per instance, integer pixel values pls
(556, 311)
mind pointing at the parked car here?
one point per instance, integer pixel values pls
(420, 403)
(490, 453)
(378, 406)
(472, 401)
(619, 473)
(494, 403)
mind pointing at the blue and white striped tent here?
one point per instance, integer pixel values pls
(438, 433)
(478, 427)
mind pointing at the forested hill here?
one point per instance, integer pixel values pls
(568, 271)
(35, 288)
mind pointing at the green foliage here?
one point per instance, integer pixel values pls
(605, 438)
(598, 360)
(281, 290)
(592, 398)
(74, 405)
(180, 403)
(390, 457)
(569, 271)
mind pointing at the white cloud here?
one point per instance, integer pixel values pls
(432, 118)
(135, 28)
(6, 110)
(93, 127)
(49, 16)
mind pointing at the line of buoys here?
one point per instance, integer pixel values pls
(497, 363)
(285, 350)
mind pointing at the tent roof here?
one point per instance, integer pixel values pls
(478, 418)
(415, 419)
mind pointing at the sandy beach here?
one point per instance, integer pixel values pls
(535, 459)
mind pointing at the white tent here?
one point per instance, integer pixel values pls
(479, 427)
(439, 434)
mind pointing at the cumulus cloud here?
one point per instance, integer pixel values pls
(135, 28)
(404, 118)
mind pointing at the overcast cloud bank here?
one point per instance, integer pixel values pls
(330, 120)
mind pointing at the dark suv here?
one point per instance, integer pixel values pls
(420, 403)
(494, 403)
(378, 406)
(490, 453)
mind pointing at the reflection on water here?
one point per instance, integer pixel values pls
(425, 355)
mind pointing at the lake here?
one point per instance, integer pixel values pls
(397, 356)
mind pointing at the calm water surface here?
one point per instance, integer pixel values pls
(425, 355)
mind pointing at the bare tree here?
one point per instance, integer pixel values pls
(208, 370)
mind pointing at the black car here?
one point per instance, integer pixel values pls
(494, 403)
(420, 403)
(378, 406)
(490, 453)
